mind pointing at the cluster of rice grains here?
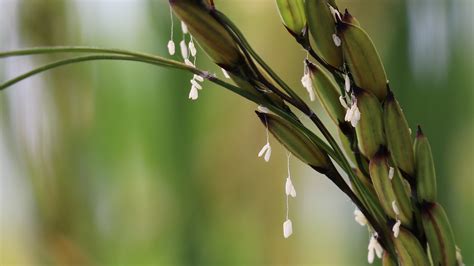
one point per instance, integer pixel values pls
(392, 180)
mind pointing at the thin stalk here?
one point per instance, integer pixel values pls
(83, 49)
(334, 175)
(155, 62)
(335, 71)
(59, 63)
(145, 58)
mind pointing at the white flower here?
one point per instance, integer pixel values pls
(360, 218)
(184, 49)
(188, 62)
(374, 249)
(196, 84)
(378, 250)
(226, 75)
(396, 228)
(198, 78)
(308, 84)
(356, 115)
(184, 28)
(171, 47)
(391, 172)
(349, 114)
(287, 228)
(193, 93)
(267, 150)
(371, 256)
(347, 83)
(459, 257)
(353, 114)
(335, 14)
(263, 109)
(289, 188)
(192, 48)
(336, 39)
(395, 207)
(307, 81)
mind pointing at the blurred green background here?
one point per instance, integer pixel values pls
(109, 163)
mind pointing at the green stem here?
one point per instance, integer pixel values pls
(166, 63)
(157, 61)
(335, 71)
(137, 56)
(85, 49)
(334, 175)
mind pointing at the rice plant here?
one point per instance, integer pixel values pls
(391, 175)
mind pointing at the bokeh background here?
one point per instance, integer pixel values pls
(109, 163)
